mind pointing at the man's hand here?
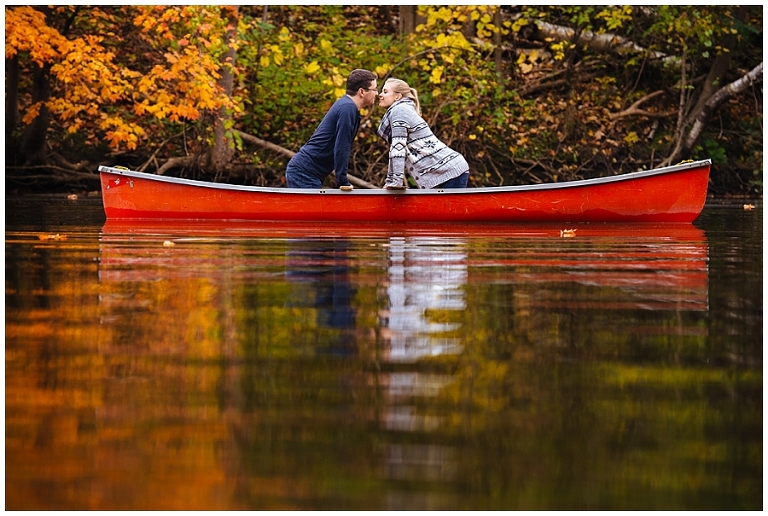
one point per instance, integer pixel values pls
(347, 188)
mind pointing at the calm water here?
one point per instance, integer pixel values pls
(382, 367)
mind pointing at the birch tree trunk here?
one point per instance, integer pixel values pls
(715, 101)
(598, 42)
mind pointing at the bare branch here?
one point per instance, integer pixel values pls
(175, 162)
(289, 154)
(61, 175)
(154, 154)
(60, 160)
(634, 109)
(266, 145)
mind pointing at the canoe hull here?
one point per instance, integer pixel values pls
(672, 194)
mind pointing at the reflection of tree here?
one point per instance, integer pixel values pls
(425, 292)
(317, 271)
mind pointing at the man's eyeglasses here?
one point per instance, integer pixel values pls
(371, 89)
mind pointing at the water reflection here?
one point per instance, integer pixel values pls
(374, 367)
(319, 275)
(419, 463)
(425, 293)
(425, 299)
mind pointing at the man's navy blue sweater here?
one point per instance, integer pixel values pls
(329, 147)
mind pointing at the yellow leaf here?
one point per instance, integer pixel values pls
(31, 113)
(437, 73)
(631, 138)
(312, 67)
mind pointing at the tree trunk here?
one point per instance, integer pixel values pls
(407, 19)
(11, 94)
(34, 137)
(223, 148)
(12, 116)
(386, 14)
(469, 29)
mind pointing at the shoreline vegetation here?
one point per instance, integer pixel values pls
(528, 94)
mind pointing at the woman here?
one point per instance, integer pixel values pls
(430, 162)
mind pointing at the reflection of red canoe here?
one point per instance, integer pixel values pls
(660, 265)
(152, 230)
(671, 194)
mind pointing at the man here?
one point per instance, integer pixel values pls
(329, 147)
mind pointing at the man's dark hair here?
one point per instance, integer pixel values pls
(359, 79)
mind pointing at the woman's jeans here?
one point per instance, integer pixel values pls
(456, 182)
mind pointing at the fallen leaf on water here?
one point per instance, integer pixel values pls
(567, 233)
(749, 207)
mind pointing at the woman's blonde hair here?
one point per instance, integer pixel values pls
(401, 87)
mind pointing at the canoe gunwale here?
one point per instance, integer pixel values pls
(412, 191)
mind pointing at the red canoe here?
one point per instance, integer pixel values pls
(670, 194)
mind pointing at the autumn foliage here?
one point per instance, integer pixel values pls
(528, 94)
